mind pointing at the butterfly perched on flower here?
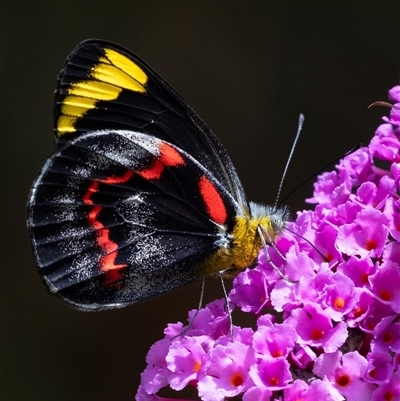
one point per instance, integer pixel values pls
(139, 196)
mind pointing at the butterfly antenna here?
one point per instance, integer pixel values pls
(309, 243)
(358, 146)
(299, 128)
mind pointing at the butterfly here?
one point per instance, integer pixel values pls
(139, 196)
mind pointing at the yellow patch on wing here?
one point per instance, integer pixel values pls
(111, 74)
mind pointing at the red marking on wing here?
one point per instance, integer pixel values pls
(169, 157)
(118, 180)
(153, 172)
(213, 201)
(112, 279)
(107, 262)
(107, 245)
(92, 189)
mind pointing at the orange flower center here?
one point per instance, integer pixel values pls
(196, 366)
(338, 303)
(237, 379)
(358, 312)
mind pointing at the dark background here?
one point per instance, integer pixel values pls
(248, 68)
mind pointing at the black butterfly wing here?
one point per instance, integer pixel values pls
(105, 86)
(116, 217)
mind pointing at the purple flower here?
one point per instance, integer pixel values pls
(387, 335)
(318, 390)
(394, 94)
(361, 308)
(385, 145)
(339, 297)
(394, 111)
(315, 328)
(379, 369)
(346, 374)
(332, 189)
(273, 340)
(389, 390)
(385, 285)
(332, 335)
(365, 236)
(226, 371)
(251, 295)
(271, 374)
(257, 393)
(358, 269)
(155, 376)
(184, 360)
(392, 212)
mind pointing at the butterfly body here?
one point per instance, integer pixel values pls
(139, 196)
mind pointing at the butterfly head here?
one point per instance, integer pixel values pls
(272, 219)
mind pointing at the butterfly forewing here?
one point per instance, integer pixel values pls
(104, 86)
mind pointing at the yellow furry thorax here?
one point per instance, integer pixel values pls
(246, 242)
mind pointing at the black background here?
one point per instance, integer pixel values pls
(248, 68)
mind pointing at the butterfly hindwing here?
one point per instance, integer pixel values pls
(119, 216)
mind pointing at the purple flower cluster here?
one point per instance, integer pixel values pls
(332, 335)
